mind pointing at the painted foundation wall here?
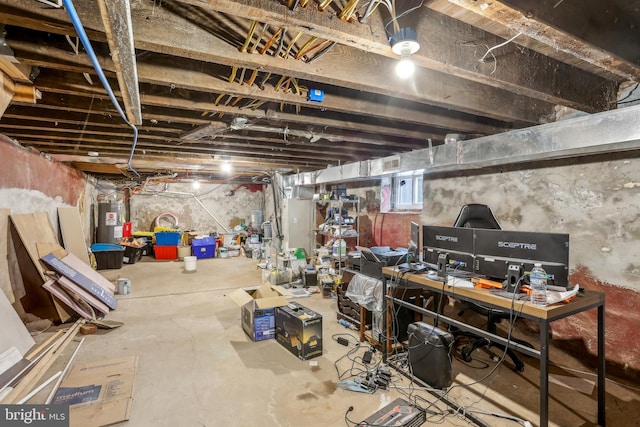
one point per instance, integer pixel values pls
(30, 183)
(598, 204)
(204, 210)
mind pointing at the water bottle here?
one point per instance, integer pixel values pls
(538, 282)
(347, 324)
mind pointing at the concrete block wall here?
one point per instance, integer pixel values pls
(598, 204)
(207, 209)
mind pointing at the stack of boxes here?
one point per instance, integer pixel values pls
(166, 246)
(266, 314)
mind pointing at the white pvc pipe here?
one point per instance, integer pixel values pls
(64, 372)
(37, 389)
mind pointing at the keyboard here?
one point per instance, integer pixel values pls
(509, 295)
(412, 266)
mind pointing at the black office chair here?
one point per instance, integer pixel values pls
(475, 215)
(480, 216)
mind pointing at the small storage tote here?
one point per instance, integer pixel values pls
(204, 248)
(165, 252)
(168, 238)
(133, 254)
(108, 256)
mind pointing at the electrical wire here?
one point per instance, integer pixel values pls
(627, 96)
(395, 17)
(497, 46)
(75, 19)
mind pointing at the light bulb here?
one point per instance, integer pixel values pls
(405, 68)
(226, 166)
(195, 184)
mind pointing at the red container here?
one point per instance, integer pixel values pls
(165, 252)
(126, 229)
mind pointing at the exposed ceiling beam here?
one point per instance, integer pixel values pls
(530, 25)
(446, 45)
(336, 67)
(116, 17)
(194, 75)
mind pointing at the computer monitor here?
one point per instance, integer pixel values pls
(414, 243)
(495, 250)
(455, 241)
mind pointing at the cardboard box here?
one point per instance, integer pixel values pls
(99, 393)
(257, 308)
(299, 330)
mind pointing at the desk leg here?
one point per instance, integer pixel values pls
(544, 373)
(363, 322)
(601, 366)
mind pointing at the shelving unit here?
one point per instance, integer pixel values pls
(336, 228)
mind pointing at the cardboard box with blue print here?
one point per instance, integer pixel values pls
(299, 330)
(257, 310)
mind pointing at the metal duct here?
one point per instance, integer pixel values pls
(607, 132)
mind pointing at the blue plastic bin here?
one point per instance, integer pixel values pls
(168, 238)
(203, 248)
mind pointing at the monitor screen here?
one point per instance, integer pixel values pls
(414, 242)
(457, 242)
(494, 250)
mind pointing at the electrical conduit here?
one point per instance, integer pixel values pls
(75, 19)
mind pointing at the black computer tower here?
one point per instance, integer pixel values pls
(403, 316)
(430, 354)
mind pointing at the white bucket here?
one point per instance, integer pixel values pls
(224, 253)
(190, 263)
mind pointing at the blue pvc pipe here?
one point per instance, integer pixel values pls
(71, 10)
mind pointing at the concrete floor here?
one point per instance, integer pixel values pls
(198, 368)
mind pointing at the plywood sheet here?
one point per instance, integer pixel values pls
(73, 233)
(13, 333)
(33, 229)
(5, 279)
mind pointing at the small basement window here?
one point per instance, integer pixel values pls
(403, 193)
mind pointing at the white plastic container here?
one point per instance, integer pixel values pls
(124, 286)
(190, 263)
(224, 253)
(340, 247)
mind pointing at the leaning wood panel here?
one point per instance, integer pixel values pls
(73, 233)
(33, 229)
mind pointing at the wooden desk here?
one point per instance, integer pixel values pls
(543, 315)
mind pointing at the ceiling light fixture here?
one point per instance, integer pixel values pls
(195, 184)
(404, 43)
(226, 166)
